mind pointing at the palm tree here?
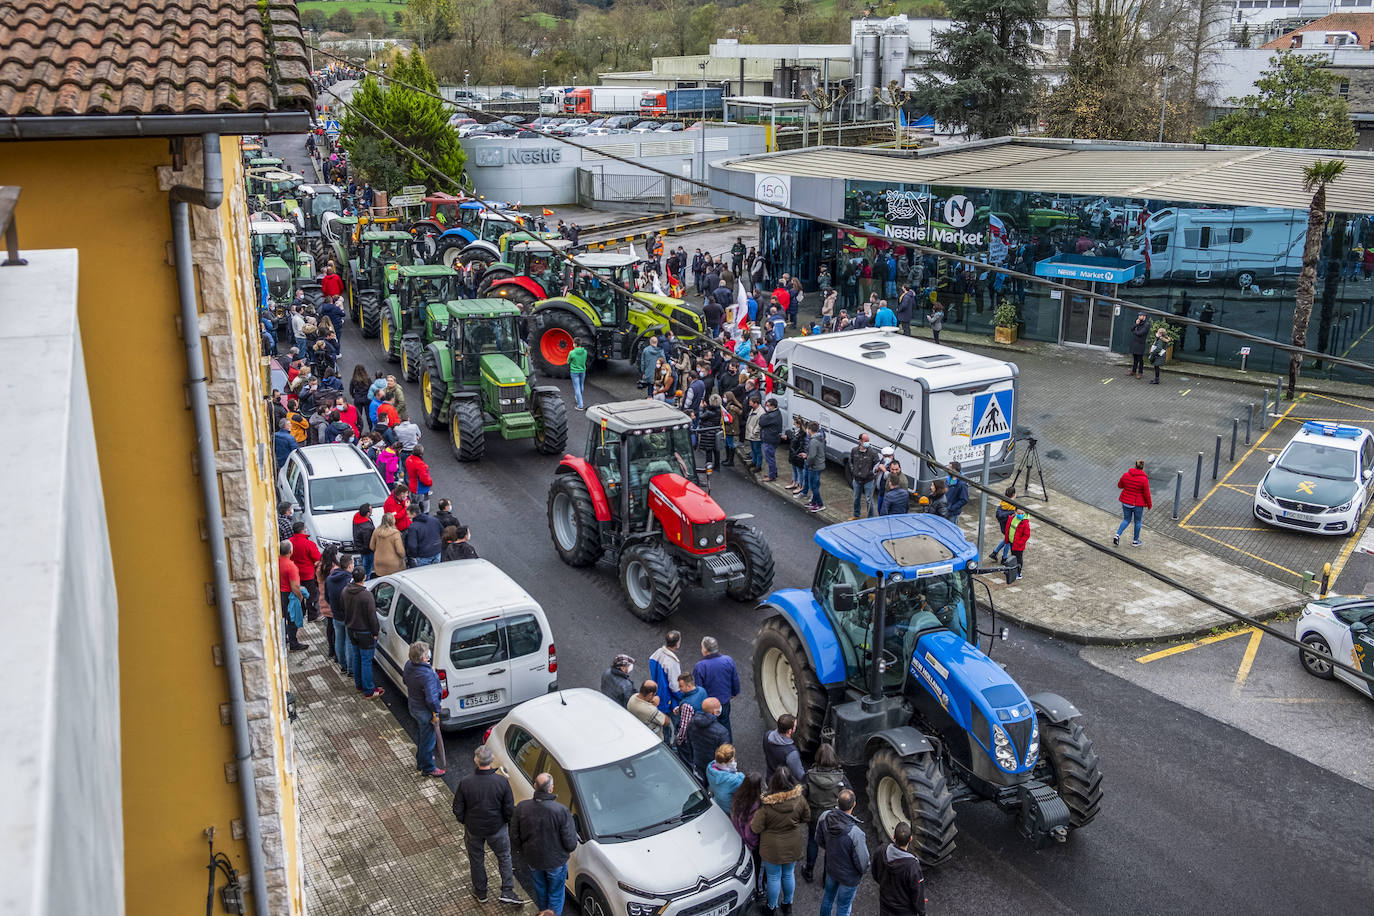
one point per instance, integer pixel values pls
(1315, 178)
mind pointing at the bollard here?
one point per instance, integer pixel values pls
(1326, 581)
(1249, 418)
(1265, 416)
(1278, 394)
(1178, 491)
(1197, 476)
(1216, 459)
(1235, 430)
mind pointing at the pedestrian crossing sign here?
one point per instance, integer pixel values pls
(993, 420)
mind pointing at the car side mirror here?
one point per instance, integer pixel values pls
(1359, 627)
(842, 598)
(1271, 458)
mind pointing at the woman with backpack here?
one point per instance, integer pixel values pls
(822, 787)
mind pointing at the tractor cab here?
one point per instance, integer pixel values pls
(480, 329)
(544, 266)
(315, 201)
(422, 290)
(382, 251)
(593, 275)
(627, 456)
(276, 254)
(492, 224)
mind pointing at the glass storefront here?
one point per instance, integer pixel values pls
(1233, 266)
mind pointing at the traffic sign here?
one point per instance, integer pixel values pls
(332, 125)
(992, 417)
(407, 200)
(414, 189)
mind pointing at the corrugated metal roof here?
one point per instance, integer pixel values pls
(1239, 176)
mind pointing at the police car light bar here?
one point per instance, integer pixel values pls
(1332, 429)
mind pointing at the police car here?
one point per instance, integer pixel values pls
(1341, 628)
(1320, 482)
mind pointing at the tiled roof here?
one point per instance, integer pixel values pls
(1362, 24)
(151, 57)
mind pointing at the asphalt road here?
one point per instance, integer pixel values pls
(1198, 815)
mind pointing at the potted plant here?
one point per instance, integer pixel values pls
(1004, 323)
(1171, 331)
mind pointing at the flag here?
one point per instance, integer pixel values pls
(262, 279)
(997, 239)
(548, 212)
(741, 304)
(1142, 219)
(633, 254)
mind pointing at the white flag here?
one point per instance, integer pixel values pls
(632, 251)
(658, 284)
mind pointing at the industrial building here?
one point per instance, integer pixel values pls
(1216, 233)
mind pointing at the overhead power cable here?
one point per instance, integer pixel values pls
(929, 459)
(1170, 317)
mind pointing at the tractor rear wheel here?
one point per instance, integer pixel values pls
(477, 256)
(491, 276)
(390, 345)
(554, 335)
(410, 358)
(369, 313)
(1069, 764)
(319, 251)
(747, 544)
(572, 521)
(785, 682)
(551, 417)
(467, 435)
(912, 789)
(653, 589)
(448, 255)
(432, 392)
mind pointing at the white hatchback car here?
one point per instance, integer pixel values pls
(1321, 480)
(1338, 627)
(327, 484)
(651, 841)
(491, 642)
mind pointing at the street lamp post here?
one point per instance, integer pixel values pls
(543, 78)
(1164, 103)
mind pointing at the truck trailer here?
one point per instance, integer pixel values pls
(655, 103)
(601, 100)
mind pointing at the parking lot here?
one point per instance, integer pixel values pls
(1255, 683)
(1223, 522)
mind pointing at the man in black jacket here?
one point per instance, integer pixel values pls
(360, 616)
(863, 470)
(706, 733)
(424, 538)
(484, 805)
(770, 429)
(544, 832)
(846, 855)
(901, 888)
(334, 584)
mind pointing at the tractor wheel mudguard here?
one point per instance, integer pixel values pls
(583, 468)
(1054, 707)
(904, 740)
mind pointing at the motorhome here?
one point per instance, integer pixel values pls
(916, 393)
(1244, 245)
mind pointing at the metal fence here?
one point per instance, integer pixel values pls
(600, 187)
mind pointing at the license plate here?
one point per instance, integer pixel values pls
(1300, 516)
(721, 910)
(479, 699)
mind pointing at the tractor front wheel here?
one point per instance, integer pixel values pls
(785, 682)
(410, 358)
(555, 334)
(572, 521)
(912, 789)
(653, 589)
(448, 256)
(467, 434)
(551, 419)
(746, 543)
(432, 391)
(517, 294)
(1069, 764)
(369, 313)
(390, 345)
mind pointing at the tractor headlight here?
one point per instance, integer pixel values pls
(1002, 749)
(701, 543)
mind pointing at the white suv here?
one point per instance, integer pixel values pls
(327, 484)
(651, 841)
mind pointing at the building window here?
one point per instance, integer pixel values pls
(1344, 89)
(890, 400)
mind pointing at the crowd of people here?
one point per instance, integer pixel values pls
(784, 812)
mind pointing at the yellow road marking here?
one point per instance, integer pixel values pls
(1248, 660)
(1350, 543)
(1357, 341)
(1108, 381)
(1204, 641)
(1184, 393)
(1238, 488)
(1232, 470)
(1327, 397)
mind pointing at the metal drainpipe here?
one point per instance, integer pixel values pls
(209, 197)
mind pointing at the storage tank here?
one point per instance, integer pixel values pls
(868, 66)
(894, 53)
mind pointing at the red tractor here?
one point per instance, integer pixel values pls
(531, 272)
(636, 499)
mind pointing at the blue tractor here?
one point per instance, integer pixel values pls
(880, 658)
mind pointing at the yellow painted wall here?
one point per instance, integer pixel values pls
(103, 198)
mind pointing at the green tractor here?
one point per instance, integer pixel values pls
(271, 187)
(475, 379)
(531, 271)
(414, 306)
(284, 265)
(609, 324)
(315, 201)
(372, 274)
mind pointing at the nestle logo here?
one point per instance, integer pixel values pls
(547, 155)
(488, 155)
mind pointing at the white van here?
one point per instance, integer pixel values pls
(493, 648)
(917, 393)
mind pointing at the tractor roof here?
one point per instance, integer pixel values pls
(439, 197)
(320, 189)
(542, 246)
(482, 308)
(385, 235)
(263, 227)
(637, 416)
(606, 259)
(427, 270)
(912, 545)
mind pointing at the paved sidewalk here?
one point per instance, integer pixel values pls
(377, 837)
(1075, 592)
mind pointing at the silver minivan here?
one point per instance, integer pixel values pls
(492, 645)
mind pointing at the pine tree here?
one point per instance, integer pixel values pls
(981, 78)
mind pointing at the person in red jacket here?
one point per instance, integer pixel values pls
(1135, 499)
(305, 553)
(331, 284)
(1018, 535)
(396, 504)
(417, 476)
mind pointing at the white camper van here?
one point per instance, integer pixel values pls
(918, 394)
(1245, 245)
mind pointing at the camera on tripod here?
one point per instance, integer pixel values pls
(1030, 462)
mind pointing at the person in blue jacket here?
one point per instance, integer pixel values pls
(422, 700)
(956, 497)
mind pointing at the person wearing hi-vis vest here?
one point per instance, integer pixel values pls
(1018, 534)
